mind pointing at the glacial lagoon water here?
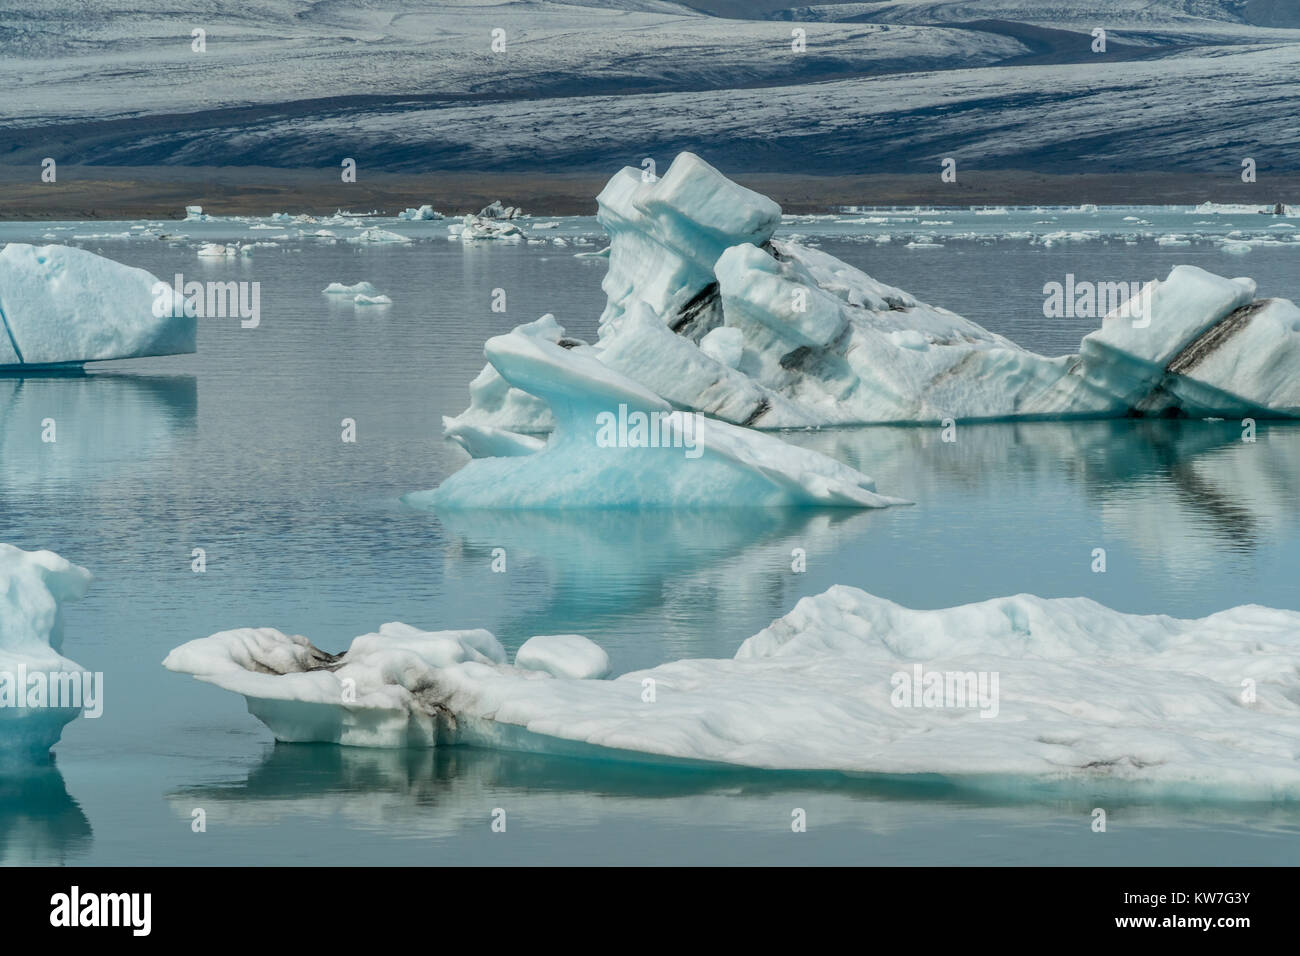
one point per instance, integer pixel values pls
(237, 450)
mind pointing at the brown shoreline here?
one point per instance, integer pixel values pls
(96, 192)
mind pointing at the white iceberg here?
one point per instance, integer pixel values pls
(477, 227)
(216, 250)
(499, 210)
(62, 306)
(1003, 690)
(36, 681)
(372, 300)
(422, 214)
(375, 234)
(617, 444)
(357, 288)
(822, 343)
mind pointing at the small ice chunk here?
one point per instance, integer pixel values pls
(422, 214)
(357, 288)
(564, 655)
(216, 250)
(375, 234)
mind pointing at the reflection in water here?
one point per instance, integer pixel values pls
(1173, 488)
(440, 793)
(40, 823)
(607, 565)
(1001, 510)
(100, 424)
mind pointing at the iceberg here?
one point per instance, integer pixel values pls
(356, 289)
(1011, 689)
(481, 227)
(62, 306)
(499, 210)
(34, 585)
(707, 309)
(216, 250)
(617, 444)
(422, 214)
(375, 234)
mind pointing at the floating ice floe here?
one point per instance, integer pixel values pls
(617, 444)
(41, 691)
(375, 234)
(372, 300)
(357, 288)
(477, 227)
(1062, 690)
(825, 344)
(422, 214)
(216, 250)
(62, 306)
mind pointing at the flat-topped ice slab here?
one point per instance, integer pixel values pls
(992, 693)
(63, 306)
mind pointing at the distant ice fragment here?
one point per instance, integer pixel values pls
(498, 210)
(216, 250)
(376, 235)
(357, 288)
(477, 227)
(422, 214)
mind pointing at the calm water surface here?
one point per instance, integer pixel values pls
(237, 450)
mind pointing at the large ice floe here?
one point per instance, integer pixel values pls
(1016, 688)
(711, 313)
(63, 306)
(616, 443)
(41, 691)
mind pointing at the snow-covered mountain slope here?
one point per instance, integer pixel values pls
(143, 62)
(1020, 687)
(706, 310)
(1161, 15)
(402, 85)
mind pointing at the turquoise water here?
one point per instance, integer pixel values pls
(237, 450)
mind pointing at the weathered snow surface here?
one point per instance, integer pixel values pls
(1072, 691)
